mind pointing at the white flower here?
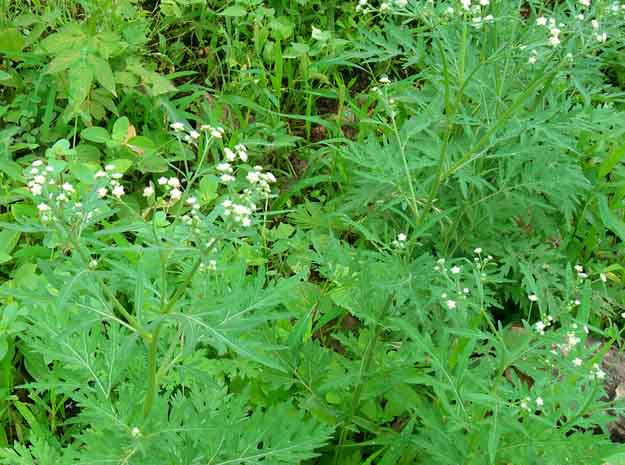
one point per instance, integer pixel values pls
(385, 80)
(533, 298)
(135, 432)
(37, 163)
(42, 207)
(603, 37)
(253, 177)
(579, 268)
(540, 327)
(191, 200)
(539, 402)
(478, 250)
(541, 21)
(465, 290)
(93, 264)
(148, 191)
(603, 277)
(532, 60)
(577, 362)
(401, 3)
(595, 24)
(174, 182)
(455, 270)
(162, 181)
(100, 174)
(580, 16)
(102, 192)
(175, 193)
(36, 188)
(34, 171)
(61, 197)
(227, 203)
(224, 167)
(49, 169)
(466, 4)
(229, 154)
(40, 179)
(117, 175)
(554, 41)
(451, 304)
(584, 2)
(484, 2)
(177, 126)
(401, 237)
(109, 167)
(246, 221)
(118, 191)
(194, 134)
(67, 187)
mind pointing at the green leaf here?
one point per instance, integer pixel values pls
(609, 219)
(208, 189)
(63, 62)
(611, 160)
(11, 41)
(281, 28)
(80, 80)
(120, 129)
(283, 231)
(234, 11)
(8, 241)
(121, 165)
(95, 134)
(11, 169)
(103, 73)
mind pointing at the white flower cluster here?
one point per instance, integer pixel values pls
(386, 6)
(241, 214)
(400, 242)
(261, 180)
(116, 189)
(475, 9)
(525, 404)
(597, 372)
(51, 192)
(216, 132)
(172, 186)
(572, 340)
(541, 325)
(581, 274)
(39, 174)
(191, 135)
(193, 217)
(226, 169)
(210, 266)
(554, 31)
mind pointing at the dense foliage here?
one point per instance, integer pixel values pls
(306, 232)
